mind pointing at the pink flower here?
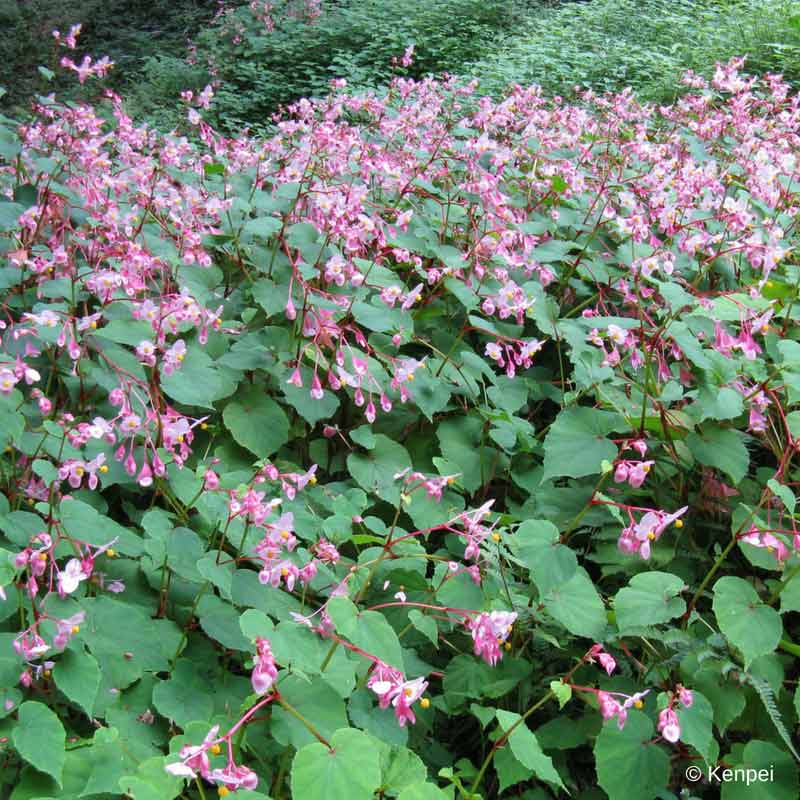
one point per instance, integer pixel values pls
(393, 689)
(194, 758)
(607, 662)
(264, 671)
(637, 538)
(768, 541)
(489, 631)
(235, 777)
(210, 480)
(71, 576)
(668, 725)
(408, 56)
(66, 628)
(407, 694)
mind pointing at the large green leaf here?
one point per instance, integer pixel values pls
(368, 630)
(696, 727)
(748, 623)
(721, 448)
(525, 747)
(40, 739)
(630, 766)
(375, 470)
(77, 675)
(779, 773)
(350, 770)
(186, 697)
(551, 564)
(316, 701)
(257, 422)
(649, 599)
(85, 524)
(576, 445)
(198, 382)
(577, 606)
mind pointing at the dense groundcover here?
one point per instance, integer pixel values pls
(435, 447)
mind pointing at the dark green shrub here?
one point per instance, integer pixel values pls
(646, 44)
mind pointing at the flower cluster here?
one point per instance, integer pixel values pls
(490, 632)
(638, 537)
(392, 689)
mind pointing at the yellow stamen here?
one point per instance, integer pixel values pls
(215, 749)
(425, 703)
(678, 523)
(76, 628)
(638, 704)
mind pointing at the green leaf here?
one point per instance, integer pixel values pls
(375, 470)
(425, 625)
(257, 422)
(350, 770)
(721, 448)
(404, 768)
(575, 445)
(186, 697)
(629, 765)
(77, 675)
(578, 607)
(316, 701)
(747, 623)
(269, 296)
(198, 382)
(84, 523)
(152, 782)
(562, 691)
(781, 771)
(111, 760)
(649, 599)
(220, 620)
(126, 641)
(552, 250)
(509, 770)
(368, 630)
(423, 791)
(526, 749)
(263, 227)
(40, 739)
(460, 440)
(552, 564)
(696, 727)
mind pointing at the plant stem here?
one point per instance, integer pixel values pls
(709, 575)
(504, 738)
